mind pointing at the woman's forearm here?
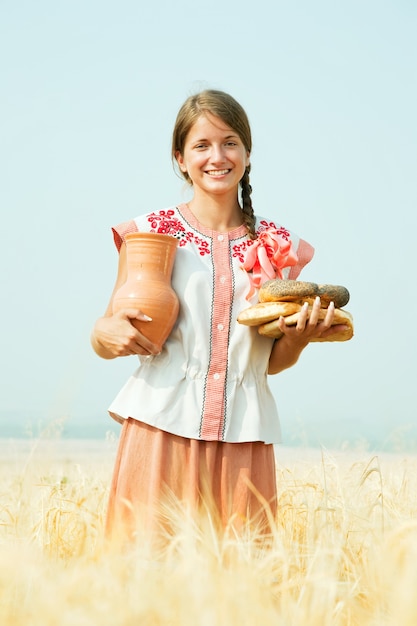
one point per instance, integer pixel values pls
(284, 354)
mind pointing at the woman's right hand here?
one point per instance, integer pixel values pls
(114, 335)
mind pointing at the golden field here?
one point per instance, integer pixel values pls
(343, 549)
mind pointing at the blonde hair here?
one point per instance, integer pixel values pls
(224, 106)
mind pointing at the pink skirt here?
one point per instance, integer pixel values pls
(154, 470)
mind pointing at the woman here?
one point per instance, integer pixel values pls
(199, 420)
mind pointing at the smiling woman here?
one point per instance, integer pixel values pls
(206, 432)
(214, 160)
(224, 121)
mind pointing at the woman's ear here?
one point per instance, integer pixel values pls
(247, 159)
(180, 161)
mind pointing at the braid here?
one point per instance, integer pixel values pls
(247, 209)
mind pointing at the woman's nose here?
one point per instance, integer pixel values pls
(217, 154)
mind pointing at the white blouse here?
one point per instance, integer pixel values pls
(210, 381)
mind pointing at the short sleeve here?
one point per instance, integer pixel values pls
(305, 253)
(303, 249)
(121, 230)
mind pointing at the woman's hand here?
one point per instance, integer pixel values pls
(308, 326)
(288, 348)
(115, 335)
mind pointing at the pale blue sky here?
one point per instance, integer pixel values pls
(89, 94)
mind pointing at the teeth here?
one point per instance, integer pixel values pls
(217, 172)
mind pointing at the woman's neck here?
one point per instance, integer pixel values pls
(216, 213)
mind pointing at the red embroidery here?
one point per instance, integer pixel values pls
(264, 225)
(239, 249)
(165, 222)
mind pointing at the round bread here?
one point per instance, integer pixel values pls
(267, 311)
(333, 293)
(271, 329)
(301, 291)
(286, 290)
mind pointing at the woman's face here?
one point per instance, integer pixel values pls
(214, 156)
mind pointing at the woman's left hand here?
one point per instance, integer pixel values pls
(309, 326)
(287, 349)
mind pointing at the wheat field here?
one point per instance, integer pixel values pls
(343, 550)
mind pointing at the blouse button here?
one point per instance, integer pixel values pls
(222, 279)
(216, 376)
(220, 326)
(220, 237)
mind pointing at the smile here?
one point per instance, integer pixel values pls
(217, 172)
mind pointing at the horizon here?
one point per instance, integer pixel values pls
(339, 434)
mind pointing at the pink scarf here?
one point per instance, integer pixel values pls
(268, 255)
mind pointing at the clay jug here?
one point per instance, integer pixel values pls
(150, 259)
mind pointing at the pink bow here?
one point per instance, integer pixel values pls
(269, 254)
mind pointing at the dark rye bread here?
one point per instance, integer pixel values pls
(277, 290)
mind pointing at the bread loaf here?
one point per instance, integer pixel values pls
(271, 329)
(285, 298)
(301, 291)
(267, 311)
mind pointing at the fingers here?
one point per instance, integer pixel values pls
(315, 312)
(302, 317)
(309, 317)
(316, 319)
(142, 346)
(134, 342)
(328, 320)
(310, 321)
(316, 315)
(135, 314)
